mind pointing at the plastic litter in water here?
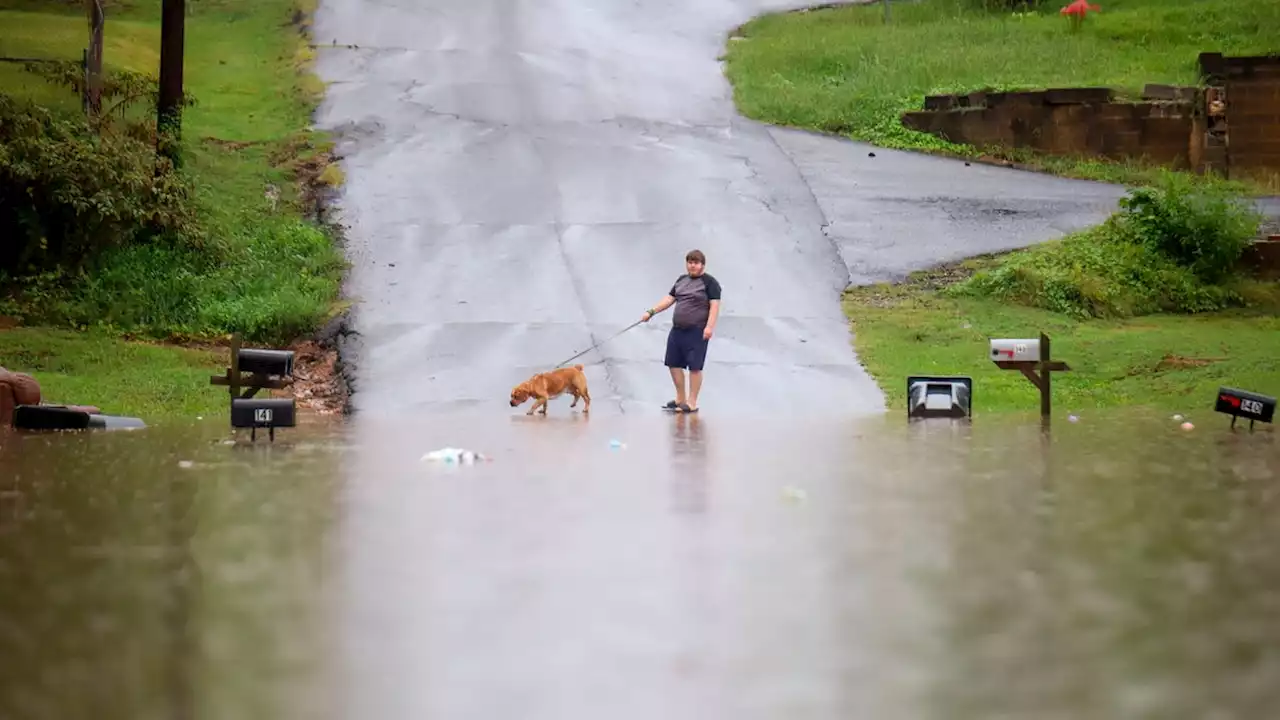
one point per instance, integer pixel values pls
(1188, 426)
(184, 464)
(1177, 418)
(1073, 418)
(454, 455)
(794, 494)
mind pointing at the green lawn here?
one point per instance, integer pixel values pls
(1168, 362)
(275, 276)
(845, 71)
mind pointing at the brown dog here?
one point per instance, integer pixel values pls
(544, 386)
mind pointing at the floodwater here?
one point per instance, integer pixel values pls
(699, 567)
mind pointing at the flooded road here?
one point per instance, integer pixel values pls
(697, 567)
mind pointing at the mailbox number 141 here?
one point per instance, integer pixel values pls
(263, 415)
(1251, 406)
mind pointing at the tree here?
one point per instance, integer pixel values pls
(169, 106)
(93, 58)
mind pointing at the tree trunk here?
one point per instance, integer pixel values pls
(169, 107)
(93, 59)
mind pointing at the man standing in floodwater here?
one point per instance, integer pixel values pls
(696, 296)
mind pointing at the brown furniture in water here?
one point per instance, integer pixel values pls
(22, 389)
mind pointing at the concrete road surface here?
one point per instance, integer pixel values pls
(525, 177)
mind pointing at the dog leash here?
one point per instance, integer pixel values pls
(593, 347)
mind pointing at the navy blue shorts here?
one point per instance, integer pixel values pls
(686, 348)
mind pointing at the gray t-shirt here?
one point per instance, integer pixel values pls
(693, 300)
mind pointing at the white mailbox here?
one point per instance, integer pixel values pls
(1015, 350)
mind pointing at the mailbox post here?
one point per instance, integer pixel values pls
(1245, 404)
(266, 370)
(1032, 358)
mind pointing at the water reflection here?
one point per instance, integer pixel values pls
(159, 574)
(643, 567)
(1125, 575)
(690, 481)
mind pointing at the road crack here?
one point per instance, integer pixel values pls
(813, 198)
(560, 227)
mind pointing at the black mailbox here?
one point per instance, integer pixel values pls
(266, 362)
(263, 413)
(61, 417)
(49, 417)
(947, 397)
(1244, 404)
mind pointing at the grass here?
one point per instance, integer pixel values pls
(276, 273)
(1170, 362)
(153, 382)
(844, 71)
(129, 44)
(276, 276)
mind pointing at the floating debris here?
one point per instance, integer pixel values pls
(794, 494)
(454, 455)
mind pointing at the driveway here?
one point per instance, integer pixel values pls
(524, 179)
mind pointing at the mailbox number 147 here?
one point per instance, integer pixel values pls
(1251, 406)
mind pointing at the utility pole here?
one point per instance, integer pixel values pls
(169, 107)
(93, 59)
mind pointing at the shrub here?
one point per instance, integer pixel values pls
(1095, 274)
(1202, 226)
(1170, 248)
(68, 193)
(272, 285)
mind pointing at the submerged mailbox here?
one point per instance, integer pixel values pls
(62, 417)
(257, 369)
(1244, 404)
(1015, 350)
(269, 413)
(939, 397)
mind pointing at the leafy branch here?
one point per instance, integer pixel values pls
(121, 89)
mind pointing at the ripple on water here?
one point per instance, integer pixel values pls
(695, 567)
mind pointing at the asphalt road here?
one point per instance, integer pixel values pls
(523, 180)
